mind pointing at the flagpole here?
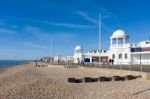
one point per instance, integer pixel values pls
(100, 39)
(51, 49)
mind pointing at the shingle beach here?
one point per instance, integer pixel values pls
(29, 82)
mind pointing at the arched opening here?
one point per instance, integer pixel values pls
(126, 56)
(120, 41)
(120, 56)
(86, 60)
(113, 56)
(114, 41)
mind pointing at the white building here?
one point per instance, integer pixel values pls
(78, 54)
(120, 50)
(63, 59)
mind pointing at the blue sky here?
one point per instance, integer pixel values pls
(28, 26)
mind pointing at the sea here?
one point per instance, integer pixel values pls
(8, 63)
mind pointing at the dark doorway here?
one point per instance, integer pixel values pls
(86, 60)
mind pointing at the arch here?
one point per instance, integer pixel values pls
(113, 56)
(126, 56)
(114, 41)
(120, 56)
(120, 41)
(87, 60)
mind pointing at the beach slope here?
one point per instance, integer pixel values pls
(29, 82)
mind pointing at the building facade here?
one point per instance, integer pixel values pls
(120, 50)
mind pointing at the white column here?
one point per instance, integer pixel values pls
(90, 59)
(116, 41)
(124, 40)
(111, 41)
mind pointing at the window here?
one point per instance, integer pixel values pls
(148, 42)
(113, 56)
(126, 40)
(113, 41)
(120, 56)
(126, 56)
(120, 41)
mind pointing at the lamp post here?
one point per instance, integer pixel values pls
(140, 57)
(51, 58)
(140, 54)
(140, 49)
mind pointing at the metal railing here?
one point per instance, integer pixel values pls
(136, 66)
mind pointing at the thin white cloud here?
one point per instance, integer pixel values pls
(31, 29)
(87, 17)
(7, 31)
(68, 25)
(64, 35)
(37, 46)
(47, 36)
(7, 49)
(63, 24)
(94, 21)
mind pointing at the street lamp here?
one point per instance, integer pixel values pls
(140, 49)
(140, 54)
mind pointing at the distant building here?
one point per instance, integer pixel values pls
(120, 50)
(47, 59)
(63, 59)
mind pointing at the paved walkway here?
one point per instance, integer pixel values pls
(143, 68)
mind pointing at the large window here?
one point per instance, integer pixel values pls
(113, 41)
(120, 41)
(126, 41)
(126, 55)
(120, 56)
(78, 51)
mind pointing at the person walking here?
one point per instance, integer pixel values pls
(112, 61)
(36, 63)
(107, 61)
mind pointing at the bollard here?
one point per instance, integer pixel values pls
(108, 78)
(122, 78)
(87, 79)
(116, 78)
(94, 79)
(105, 79)
(71, 80)
(78, 80)
(101, 79)
(130, 77)
(138, 76)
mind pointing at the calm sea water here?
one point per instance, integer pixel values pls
(6, 63)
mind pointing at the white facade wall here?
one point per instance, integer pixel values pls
(78, 54)
(143, 58)
(78, 57)
(121, 51)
